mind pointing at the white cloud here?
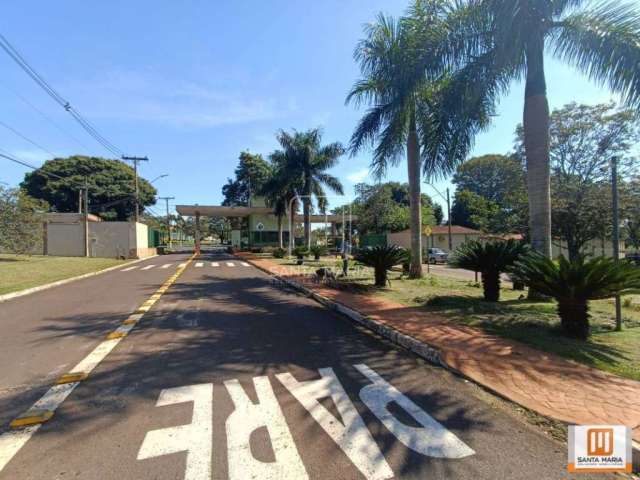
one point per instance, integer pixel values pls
(358, 176)
(144, 96)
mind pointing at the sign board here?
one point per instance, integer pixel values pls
(260, 226)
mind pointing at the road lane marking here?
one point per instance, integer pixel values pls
(230, 264)
(215, 264)
(194, 438)
(350, 432)
(199, 264)
(147, 267)
(13, 440)
(166, 265)
(431, 439)
(129, 268)
(245, 419)
(245, 264)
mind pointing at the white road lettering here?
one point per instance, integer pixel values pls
(246, 418)
(147, 267)
(166, 265)
(215, 264)
(230, 264)
(199, 264)
(351, 435)
(432, 439)
(195, 437)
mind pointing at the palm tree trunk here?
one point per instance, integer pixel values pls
(536, 144)
(280, 240)
(413, 167)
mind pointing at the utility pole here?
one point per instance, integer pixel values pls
(166, 199)
(616, 232)
(135, 161)
(86, 217)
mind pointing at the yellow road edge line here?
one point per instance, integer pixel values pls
(31, 417)
(35, 416)
(71, 377)
(116, 334)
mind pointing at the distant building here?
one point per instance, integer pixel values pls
(64, 235)
(439, 237)
(256, 225)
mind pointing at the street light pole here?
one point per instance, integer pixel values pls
(616, 232)
(166, 199)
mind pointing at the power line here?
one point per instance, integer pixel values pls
(36, 77)
(45, 116)
(24, 137)
(10, 157)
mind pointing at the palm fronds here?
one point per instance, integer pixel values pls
(381, 259)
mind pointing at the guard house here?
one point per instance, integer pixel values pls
(257, 226)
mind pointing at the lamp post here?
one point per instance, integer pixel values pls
(448, 200)
(616, 232)
(159, 177)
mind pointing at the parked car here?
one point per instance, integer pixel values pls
(437, 255)
(634, 257)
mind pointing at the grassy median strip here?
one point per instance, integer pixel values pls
(19, 272)
(515, 317)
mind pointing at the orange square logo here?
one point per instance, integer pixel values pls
(600, 441)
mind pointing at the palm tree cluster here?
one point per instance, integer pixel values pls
(300, 173)
(432, 79)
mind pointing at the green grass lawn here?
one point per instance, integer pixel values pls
(18, 272)
(532, 322)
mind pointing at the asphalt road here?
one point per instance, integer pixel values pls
(230, 376)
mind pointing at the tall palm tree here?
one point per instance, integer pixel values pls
(279, 190)
(494, 42)
(306, 161)
(416, 106)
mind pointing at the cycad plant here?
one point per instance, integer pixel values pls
(491, 259)
(381, 259)
(317, 251)
(573, 283)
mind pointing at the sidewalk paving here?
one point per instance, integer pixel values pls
(542, 382)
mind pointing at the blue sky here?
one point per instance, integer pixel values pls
(191, 84)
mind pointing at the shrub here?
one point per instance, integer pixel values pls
(491, 259)
(382, 259)
(300, 252)
(318, 251)
(572, 283)
(279, 252)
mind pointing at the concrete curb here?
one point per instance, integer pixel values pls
(27, 291)
(423, 350)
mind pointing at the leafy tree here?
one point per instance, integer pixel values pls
(633, 234)
(583, 140)
(251, 174)
(491, 259)
(415, 106)
(306, 161)
(111, 186)
(572, 283)
(384, 207)
(475, 211)
(21, 220)
(495, 42)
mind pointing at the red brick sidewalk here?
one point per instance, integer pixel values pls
(545, 383)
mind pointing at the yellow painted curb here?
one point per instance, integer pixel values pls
(71, 377)
(114, 335)
(32, 417)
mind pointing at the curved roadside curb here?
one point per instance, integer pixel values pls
(39, 288)
(423, 350)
